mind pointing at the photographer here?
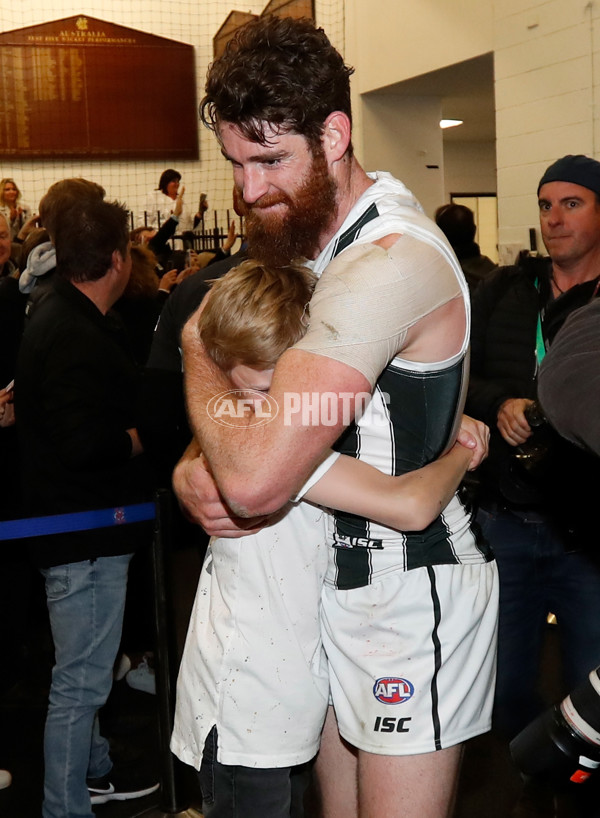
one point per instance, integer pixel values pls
(569, 382)
(532, 492)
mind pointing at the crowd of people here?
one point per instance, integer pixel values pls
(363, 609)
(79, 301)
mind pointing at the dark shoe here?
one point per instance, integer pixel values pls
(107, 789)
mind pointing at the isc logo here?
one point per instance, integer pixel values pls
(390, 690)
(389, 725)
(342, 541)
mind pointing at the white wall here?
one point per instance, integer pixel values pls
(547, 76)
(403, 138)
(389, 41)
(469, 167)
(392, 40)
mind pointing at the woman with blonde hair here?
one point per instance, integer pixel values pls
(12, 206)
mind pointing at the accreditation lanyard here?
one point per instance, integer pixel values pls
(540, 346)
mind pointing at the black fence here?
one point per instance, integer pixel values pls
(209, 234)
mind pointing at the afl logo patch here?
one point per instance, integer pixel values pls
(392, 690)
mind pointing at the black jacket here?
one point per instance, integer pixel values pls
(76, 387)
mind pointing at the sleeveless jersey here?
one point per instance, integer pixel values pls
(413, 415)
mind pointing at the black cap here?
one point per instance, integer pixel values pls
(577, 169)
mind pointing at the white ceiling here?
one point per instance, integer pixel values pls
(467, 93)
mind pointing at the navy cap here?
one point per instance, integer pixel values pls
(577, 169)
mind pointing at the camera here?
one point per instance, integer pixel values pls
(564, 742)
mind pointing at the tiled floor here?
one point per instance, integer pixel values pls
(488, 784)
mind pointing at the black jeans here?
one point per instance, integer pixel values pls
(232, 791)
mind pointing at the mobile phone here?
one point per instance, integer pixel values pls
(9, 387)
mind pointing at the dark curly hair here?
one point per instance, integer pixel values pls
(280, 71)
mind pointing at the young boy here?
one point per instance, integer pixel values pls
(253, 672)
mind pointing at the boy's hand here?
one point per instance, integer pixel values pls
(475, 435)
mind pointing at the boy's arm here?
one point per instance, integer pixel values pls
(409, 502)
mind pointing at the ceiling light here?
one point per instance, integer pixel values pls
(450, 123)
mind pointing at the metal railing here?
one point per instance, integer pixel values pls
(203, 236)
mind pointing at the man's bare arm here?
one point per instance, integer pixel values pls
(257, 468)
(201, 501)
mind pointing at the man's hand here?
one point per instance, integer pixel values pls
(512, 423)
(168, 281)
(230, 240)
(177, 210)
(28, 227)
(474, 434)
(201, 502)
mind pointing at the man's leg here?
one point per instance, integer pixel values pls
(233, 791)
(575, 598)
(85, 603)
(419, 786)
(574, 589)
(336, 771)
(519, 550)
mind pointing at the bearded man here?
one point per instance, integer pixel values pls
(407, 619)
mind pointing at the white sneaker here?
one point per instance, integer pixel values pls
(5, 779)
(104, 789)
(142, 677)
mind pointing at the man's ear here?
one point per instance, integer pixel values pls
(116, 260)
(337, 132)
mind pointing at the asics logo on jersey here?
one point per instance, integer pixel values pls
(342, 541)
(392, 690)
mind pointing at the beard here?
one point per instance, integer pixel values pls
(277, 239)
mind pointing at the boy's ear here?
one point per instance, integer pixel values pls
(337, 132)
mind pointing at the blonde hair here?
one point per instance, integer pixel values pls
(3, 183)
(255, 313)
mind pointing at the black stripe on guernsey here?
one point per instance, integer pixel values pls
(350, 235)
(415, 427)
(355, 561)
(437, 616)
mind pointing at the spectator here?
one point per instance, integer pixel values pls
(61, 196)
(8, 268)
(160, 204)
(12, 207)
(16, 575)
(39, 255)
(143, 299)
(458, 224)
(80, 451)
(569, 380)
(38, 259)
